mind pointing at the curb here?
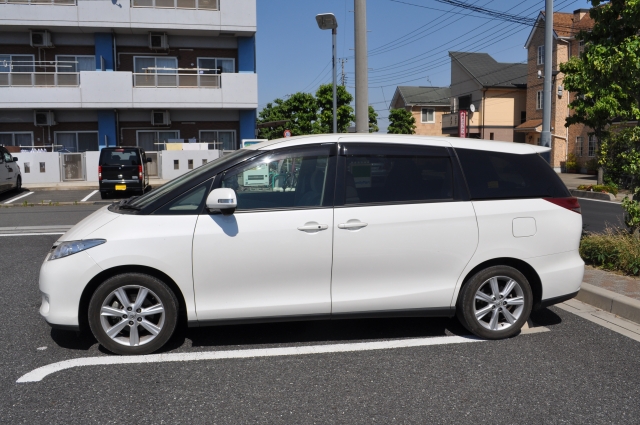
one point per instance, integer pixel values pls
(611, 302)
(593, 195)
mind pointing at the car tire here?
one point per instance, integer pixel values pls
(495, 303)
(18, 187)
(124, 326)
(104, 195)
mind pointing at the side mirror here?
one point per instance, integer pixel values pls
(15, 159)
(223, 200)
(149, 160)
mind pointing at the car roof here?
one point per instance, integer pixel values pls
(455, 142)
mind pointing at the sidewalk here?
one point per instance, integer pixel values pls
(611, 292)
(78, 185)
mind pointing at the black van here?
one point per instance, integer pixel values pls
(123, 170)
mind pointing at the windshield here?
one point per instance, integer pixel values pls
(156, 194)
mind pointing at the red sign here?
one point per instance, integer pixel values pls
(462, 124)
(287, 133)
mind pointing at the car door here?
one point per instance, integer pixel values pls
(272, 258)
(6, 170)
(403, 232)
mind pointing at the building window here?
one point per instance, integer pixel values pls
(216, 65)
(592, 145)
(219, 139)
(464, 103)
(16, 63)
(581, 46)
(75, 63)
(541, 55)
(579, 146)
(27, 167)
(17, 139)
(523, 117)
(540, 100)
(152, 141)
(428, 115)
(76, 141)
(491, 136)
(176, 164)
(155, 71)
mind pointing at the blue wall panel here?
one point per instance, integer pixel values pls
(107, 127)
(104, 49)
(247, 54)
(247, 125)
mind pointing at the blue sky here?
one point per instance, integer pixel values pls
(408, 44)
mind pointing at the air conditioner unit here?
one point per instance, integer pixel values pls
(40, 39)
(160, 118)
(43, 118)
(158, 41)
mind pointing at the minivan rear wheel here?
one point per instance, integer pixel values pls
(495, 303)
(133, 313)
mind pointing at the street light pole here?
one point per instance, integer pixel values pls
(362, 67)
(545, 138)
(328, 21)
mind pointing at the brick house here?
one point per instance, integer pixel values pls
(564, 141)
(426, 104)
(494, 93)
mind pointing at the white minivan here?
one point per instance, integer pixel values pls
(331, 226)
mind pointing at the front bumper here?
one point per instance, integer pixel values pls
(61, 283)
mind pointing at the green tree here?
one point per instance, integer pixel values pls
(606, 77)
(300, 111)
(346, 116)
(401, 121)
(373, 120)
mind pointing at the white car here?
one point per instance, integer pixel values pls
(346, 226)
(10, 176)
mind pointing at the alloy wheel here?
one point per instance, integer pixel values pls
(499, 303)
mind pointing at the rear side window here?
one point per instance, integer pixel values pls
(391, 174)
(499, 175)
(120, 157)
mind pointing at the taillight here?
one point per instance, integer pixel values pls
(99, 173)
(140, 172)
(568, 203)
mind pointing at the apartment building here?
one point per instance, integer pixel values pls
(426, 104)
(492, 93)
(574, 139)
(79, 75)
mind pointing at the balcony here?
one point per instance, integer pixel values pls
(116, 90)
(40, 2)
(177, 80)
(39, 79)
(177, 4)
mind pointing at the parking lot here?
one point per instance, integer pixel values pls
(412, 370)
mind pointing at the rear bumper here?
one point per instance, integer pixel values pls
(110, 185)
(560, 274)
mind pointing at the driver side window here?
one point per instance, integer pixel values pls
(294, 178)
(6, 156)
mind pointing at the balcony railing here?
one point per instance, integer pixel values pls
(55, 2)
(177, 4)
(209, 81)
(39, 79)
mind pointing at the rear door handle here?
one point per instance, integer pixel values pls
(313, 227)
(354, 225)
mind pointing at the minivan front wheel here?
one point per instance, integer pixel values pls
(133, 313)
(495, 303)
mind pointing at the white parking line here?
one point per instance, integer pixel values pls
(19, 197)
(86, 198)
(40, 373)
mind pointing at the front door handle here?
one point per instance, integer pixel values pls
(352, 225)
(313, 227)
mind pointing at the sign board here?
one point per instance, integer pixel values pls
(287, 133)
(462, 124)
(250, 142)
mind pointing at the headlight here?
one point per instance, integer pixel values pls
(66, 249)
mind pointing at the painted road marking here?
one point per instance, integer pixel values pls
(42, 372)
(34, 230)
(2, 235)
(86, 198)
(19, 197)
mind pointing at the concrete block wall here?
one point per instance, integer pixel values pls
(49, 172)
(168, 165)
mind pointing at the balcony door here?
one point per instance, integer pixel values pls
(155, 71)
(148, 140)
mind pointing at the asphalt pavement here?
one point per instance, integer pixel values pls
(599, 215)
(577, 372)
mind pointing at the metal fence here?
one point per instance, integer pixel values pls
(177, 4)
(39, 79)
(55, 2)
(177, 80)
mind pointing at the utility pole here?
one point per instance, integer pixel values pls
(545, 139)
(343, 79)
(362, 67)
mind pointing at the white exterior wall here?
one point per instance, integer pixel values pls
(166, 161)
(111, 90)
(237, 16)
(52, 167)
(91, 166)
